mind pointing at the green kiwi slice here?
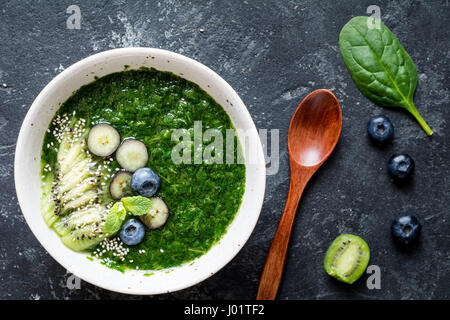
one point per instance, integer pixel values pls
(347, 258)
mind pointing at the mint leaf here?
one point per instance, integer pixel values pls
(112, 224)
(138, 205)
(115, 217)
(118, 209)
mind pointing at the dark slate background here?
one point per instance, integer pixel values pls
(272, 53)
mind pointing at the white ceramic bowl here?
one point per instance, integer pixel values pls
(27, 167)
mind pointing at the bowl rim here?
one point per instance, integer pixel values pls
(37, 105)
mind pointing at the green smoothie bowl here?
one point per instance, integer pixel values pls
(140, 170)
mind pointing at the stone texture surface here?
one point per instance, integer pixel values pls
(273, 53)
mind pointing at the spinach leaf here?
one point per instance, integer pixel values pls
(381, 68)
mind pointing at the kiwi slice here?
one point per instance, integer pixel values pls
(72, 201)
(79, 219)
(347, 258)
(84, 238)
(82, 229)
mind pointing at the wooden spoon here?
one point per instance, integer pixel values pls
(313, 134)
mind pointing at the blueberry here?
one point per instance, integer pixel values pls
(380, 129)
(132, 232)
(400, 166)
(145, 182)
(406, 229)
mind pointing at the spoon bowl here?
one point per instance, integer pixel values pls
(315, 128)
(313, 134)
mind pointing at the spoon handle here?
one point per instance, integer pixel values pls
(273, 269)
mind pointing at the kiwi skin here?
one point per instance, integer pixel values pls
(358, 263)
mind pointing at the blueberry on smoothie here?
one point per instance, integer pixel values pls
(406, 229)
(132, 232)
(145, 182)
(380, 129)
(400, 166)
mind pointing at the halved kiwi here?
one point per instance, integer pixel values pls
(347, 258)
